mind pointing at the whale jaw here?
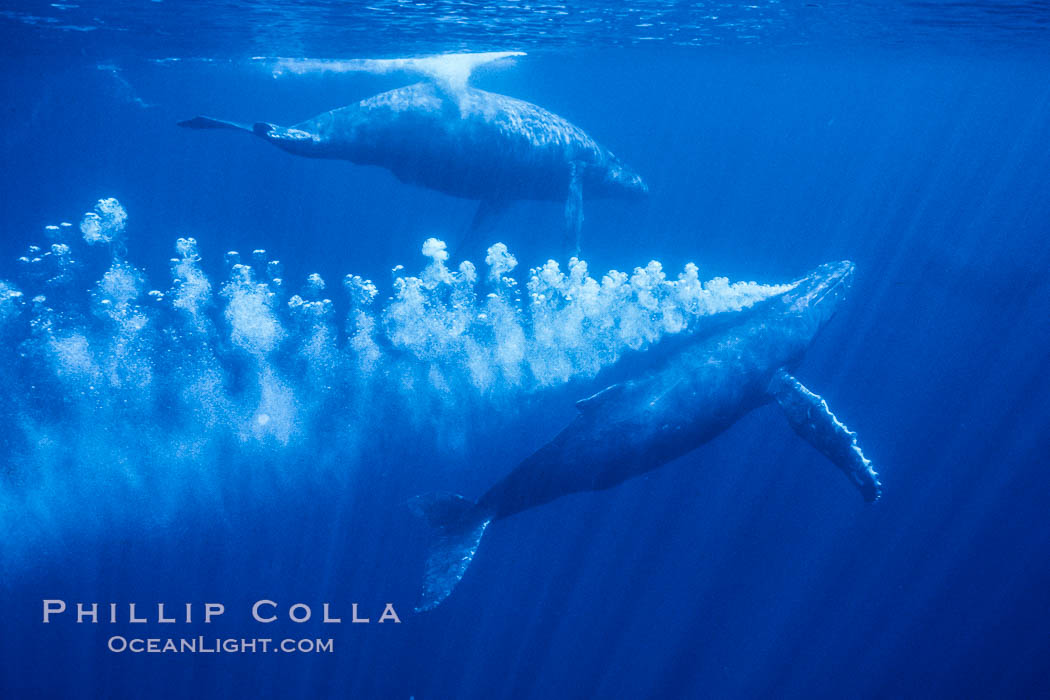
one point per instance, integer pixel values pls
(634, 187)
(815, 297)
(617, 181)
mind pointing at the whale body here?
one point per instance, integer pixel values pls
(632, 427)
(463, 142)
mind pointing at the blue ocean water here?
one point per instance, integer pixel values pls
(231, 438)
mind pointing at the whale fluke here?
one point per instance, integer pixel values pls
(280, 135)
(460, 527)
(209, 123)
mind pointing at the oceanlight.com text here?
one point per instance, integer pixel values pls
(217, 645)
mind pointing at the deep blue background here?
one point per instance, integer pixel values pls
(749, 568)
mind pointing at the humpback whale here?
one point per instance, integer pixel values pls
(447, 136)
(689, 397)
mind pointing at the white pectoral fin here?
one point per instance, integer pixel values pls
(574, 208)
(453, 69)
(811, 418)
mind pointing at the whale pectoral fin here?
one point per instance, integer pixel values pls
(597, 399)
(487, 212)
(811, 418)
(574, 208)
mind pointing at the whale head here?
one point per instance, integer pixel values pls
(633, 184)
(815, 298)
(618, 181)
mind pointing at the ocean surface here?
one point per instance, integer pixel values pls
(225, 371)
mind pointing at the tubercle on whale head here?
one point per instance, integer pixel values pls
(636, 186)
(624, 182)
(818, 295)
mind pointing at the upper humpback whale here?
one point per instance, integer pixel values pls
(693, 394)
(447, 136)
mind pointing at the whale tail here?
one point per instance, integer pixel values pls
(459, 528)
(209, 123)
(290, 139)
(264, 130)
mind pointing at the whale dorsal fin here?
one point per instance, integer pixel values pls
(595, 400)
(811, 418)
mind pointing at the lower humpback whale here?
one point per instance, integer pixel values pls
(465, 142)
(687, 399)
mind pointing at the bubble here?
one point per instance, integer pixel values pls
(105, 224)
(191, 289)
(314, 283)
(500, 261)
(254, 325)
(362, 292)
(163, 392)
(275, 270)
(435, 250)
(10, 301)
